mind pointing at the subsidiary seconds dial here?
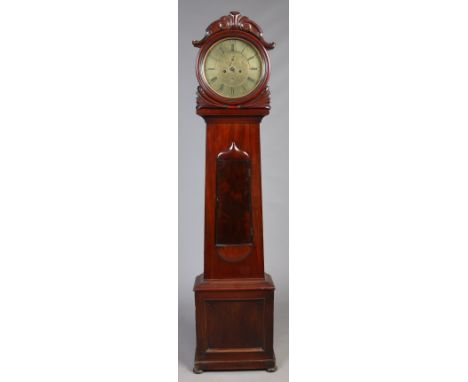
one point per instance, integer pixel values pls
(232, 68)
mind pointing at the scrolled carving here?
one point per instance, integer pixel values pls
(234, 21)
(204, 100)
(261, 101)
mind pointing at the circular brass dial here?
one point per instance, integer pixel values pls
(232, 68)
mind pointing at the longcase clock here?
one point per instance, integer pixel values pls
(233, 296)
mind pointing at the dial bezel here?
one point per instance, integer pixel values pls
(265, 63)
(213, 46)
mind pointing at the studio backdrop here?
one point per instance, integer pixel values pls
(194, 17)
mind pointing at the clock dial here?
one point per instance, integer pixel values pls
(232, 68)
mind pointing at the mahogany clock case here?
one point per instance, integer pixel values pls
(220, 305)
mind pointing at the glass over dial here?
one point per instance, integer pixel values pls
(232, 68)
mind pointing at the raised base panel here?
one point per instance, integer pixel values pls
(234, 319)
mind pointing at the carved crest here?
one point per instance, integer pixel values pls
(234, 21)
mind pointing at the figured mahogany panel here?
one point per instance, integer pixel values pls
(235, 324)
(233, 198)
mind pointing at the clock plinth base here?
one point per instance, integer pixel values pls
(234, 320)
